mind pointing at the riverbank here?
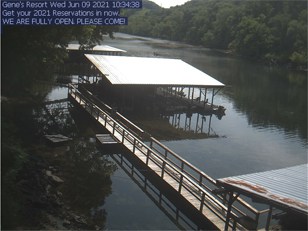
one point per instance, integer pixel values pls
(45, 205)
(46, 187)
(157, 42)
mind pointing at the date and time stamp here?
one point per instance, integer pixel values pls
(77, 12)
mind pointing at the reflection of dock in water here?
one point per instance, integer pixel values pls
(200, 125)
(191, 184)
(165, 89)
(163, 198)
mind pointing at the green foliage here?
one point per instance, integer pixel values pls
(32, 52)
(13, 158)
(273, 31)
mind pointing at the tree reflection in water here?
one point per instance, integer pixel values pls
(85, 171)
(88, 180)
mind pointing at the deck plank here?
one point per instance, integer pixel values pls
(155, 164)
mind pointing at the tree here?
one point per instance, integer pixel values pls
(253, 37)
(32, 52)
(271, 31)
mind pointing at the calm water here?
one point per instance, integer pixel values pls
(265, 127)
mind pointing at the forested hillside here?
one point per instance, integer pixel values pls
(272, 31)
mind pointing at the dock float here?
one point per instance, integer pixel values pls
(57, 139)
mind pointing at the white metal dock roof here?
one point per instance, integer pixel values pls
(284, 187)
(151, 71)
(104, 48)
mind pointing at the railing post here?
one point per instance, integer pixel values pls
(134, 147)
(113, 129)
(202, 201)
(148, 156)
(97, 113)
(123, 136)
(181, 178)
(92, 108)
(163, 170)
(180, 183)
(166, 154)
(200, 179)
(182, 166)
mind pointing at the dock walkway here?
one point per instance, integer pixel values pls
(195, 186)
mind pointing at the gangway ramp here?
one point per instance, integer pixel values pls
(188, 181)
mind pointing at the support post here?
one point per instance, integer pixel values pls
(212, 102)
(197, 123)
(210, 122)
(269, 218)
(232, 198)
(192, 95)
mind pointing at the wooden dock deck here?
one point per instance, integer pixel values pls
(193, 185)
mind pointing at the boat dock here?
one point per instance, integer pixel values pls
(138, 83)
(193, 185)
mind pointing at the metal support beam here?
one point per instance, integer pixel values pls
(269, 218)
(231, 200)
(214, 94)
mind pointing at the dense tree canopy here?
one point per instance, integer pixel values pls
(32, 52)
(273, 31)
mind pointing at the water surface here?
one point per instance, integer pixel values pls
(265, 126)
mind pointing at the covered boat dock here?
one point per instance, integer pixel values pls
(284, 189)
(173, 80)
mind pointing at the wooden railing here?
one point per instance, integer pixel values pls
(199, 185)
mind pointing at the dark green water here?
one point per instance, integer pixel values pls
(265, 127)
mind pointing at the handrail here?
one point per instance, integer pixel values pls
(184, 161)
(185, 179)
(139, 130)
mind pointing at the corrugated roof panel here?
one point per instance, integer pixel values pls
(151, 71)
(286, 186)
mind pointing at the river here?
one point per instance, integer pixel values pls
(265, 126)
